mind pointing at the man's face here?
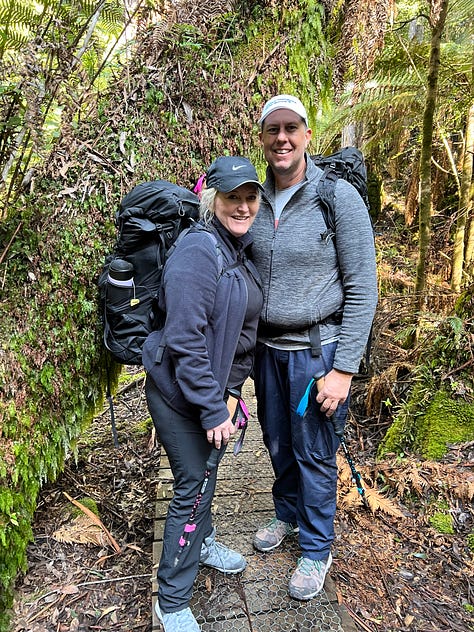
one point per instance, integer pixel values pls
(284, 137)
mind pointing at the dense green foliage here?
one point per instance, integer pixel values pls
(440, 408)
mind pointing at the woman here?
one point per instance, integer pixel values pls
(212, 298)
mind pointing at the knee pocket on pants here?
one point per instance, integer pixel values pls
(323, 442)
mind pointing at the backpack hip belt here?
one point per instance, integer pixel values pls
(267, 330)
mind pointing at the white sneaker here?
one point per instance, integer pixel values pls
(181, 621)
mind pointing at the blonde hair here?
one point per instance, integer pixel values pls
(206, 208)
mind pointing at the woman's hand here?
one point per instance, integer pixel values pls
(221, 434)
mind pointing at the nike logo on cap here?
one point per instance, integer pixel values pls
(235, 167)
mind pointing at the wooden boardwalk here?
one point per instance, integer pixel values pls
(255, 600)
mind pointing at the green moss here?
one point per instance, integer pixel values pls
(401, 434)
(127, 378)
(442, 523)
(89, 503)
(445, 421)
(142, 427)
(470, 541)
(427, 427)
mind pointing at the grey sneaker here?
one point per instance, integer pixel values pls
(182, 621)
(308, 579)
(272, 535)
(221, 557)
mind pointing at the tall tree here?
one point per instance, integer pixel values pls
(438, 12)
(464, 236)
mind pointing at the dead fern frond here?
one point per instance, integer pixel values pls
(351, 500)
(349, 496)
(378, 502)
(464, 491)
(417, 482)
(94, 519)
(345, 474)
(81, 530)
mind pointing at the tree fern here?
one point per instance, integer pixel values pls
(16, 24)
(392, 98)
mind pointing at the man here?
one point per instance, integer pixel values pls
(320, 296)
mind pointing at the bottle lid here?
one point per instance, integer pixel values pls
(120, 270)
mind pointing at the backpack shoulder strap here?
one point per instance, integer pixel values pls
(196, 227)
(326, 193)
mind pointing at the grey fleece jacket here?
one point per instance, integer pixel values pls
(307, 279)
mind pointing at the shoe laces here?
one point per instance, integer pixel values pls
(307, 566)
(218, 548)
(273, 525)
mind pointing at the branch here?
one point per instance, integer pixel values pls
(459, 368)
(5, 250)
(96, 521)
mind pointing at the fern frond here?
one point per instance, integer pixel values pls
(345, 474)
(13, 12)
(351, 500)
(378, 502)
(417, 482)
(112, 18)
(81, 530)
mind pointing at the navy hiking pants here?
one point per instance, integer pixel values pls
(302, 449)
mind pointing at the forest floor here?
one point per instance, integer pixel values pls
(405, 564)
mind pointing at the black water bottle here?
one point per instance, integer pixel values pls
(120, 273)
(120, 284)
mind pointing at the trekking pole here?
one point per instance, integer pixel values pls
(318, 380)
(356, 477)
(239, 414)
(190, 526)
(110, 399)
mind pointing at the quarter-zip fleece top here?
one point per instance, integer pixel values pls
(204, 297)
(307, 279)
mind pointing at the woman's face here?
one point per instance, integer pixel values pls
(237, 209)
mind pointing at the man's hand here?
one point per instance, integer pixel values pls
(333, 390)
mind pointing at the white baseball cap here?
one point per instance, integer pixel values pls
(284, 102)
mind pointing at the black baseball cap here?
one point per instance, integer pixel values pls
(229, 172)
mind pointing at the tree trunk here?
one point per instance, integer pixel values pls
(469, 256)
(438, 19)
(464, 239)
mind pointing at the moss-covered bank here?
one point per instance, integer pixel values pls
(440, 408)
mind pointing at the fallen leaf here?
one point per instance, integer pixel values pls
(70, 589)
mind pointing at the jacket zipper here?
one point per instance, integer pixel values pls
(270, 274)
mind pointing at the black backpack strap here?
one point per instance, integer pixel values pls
(315, 340)
(326, 193)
